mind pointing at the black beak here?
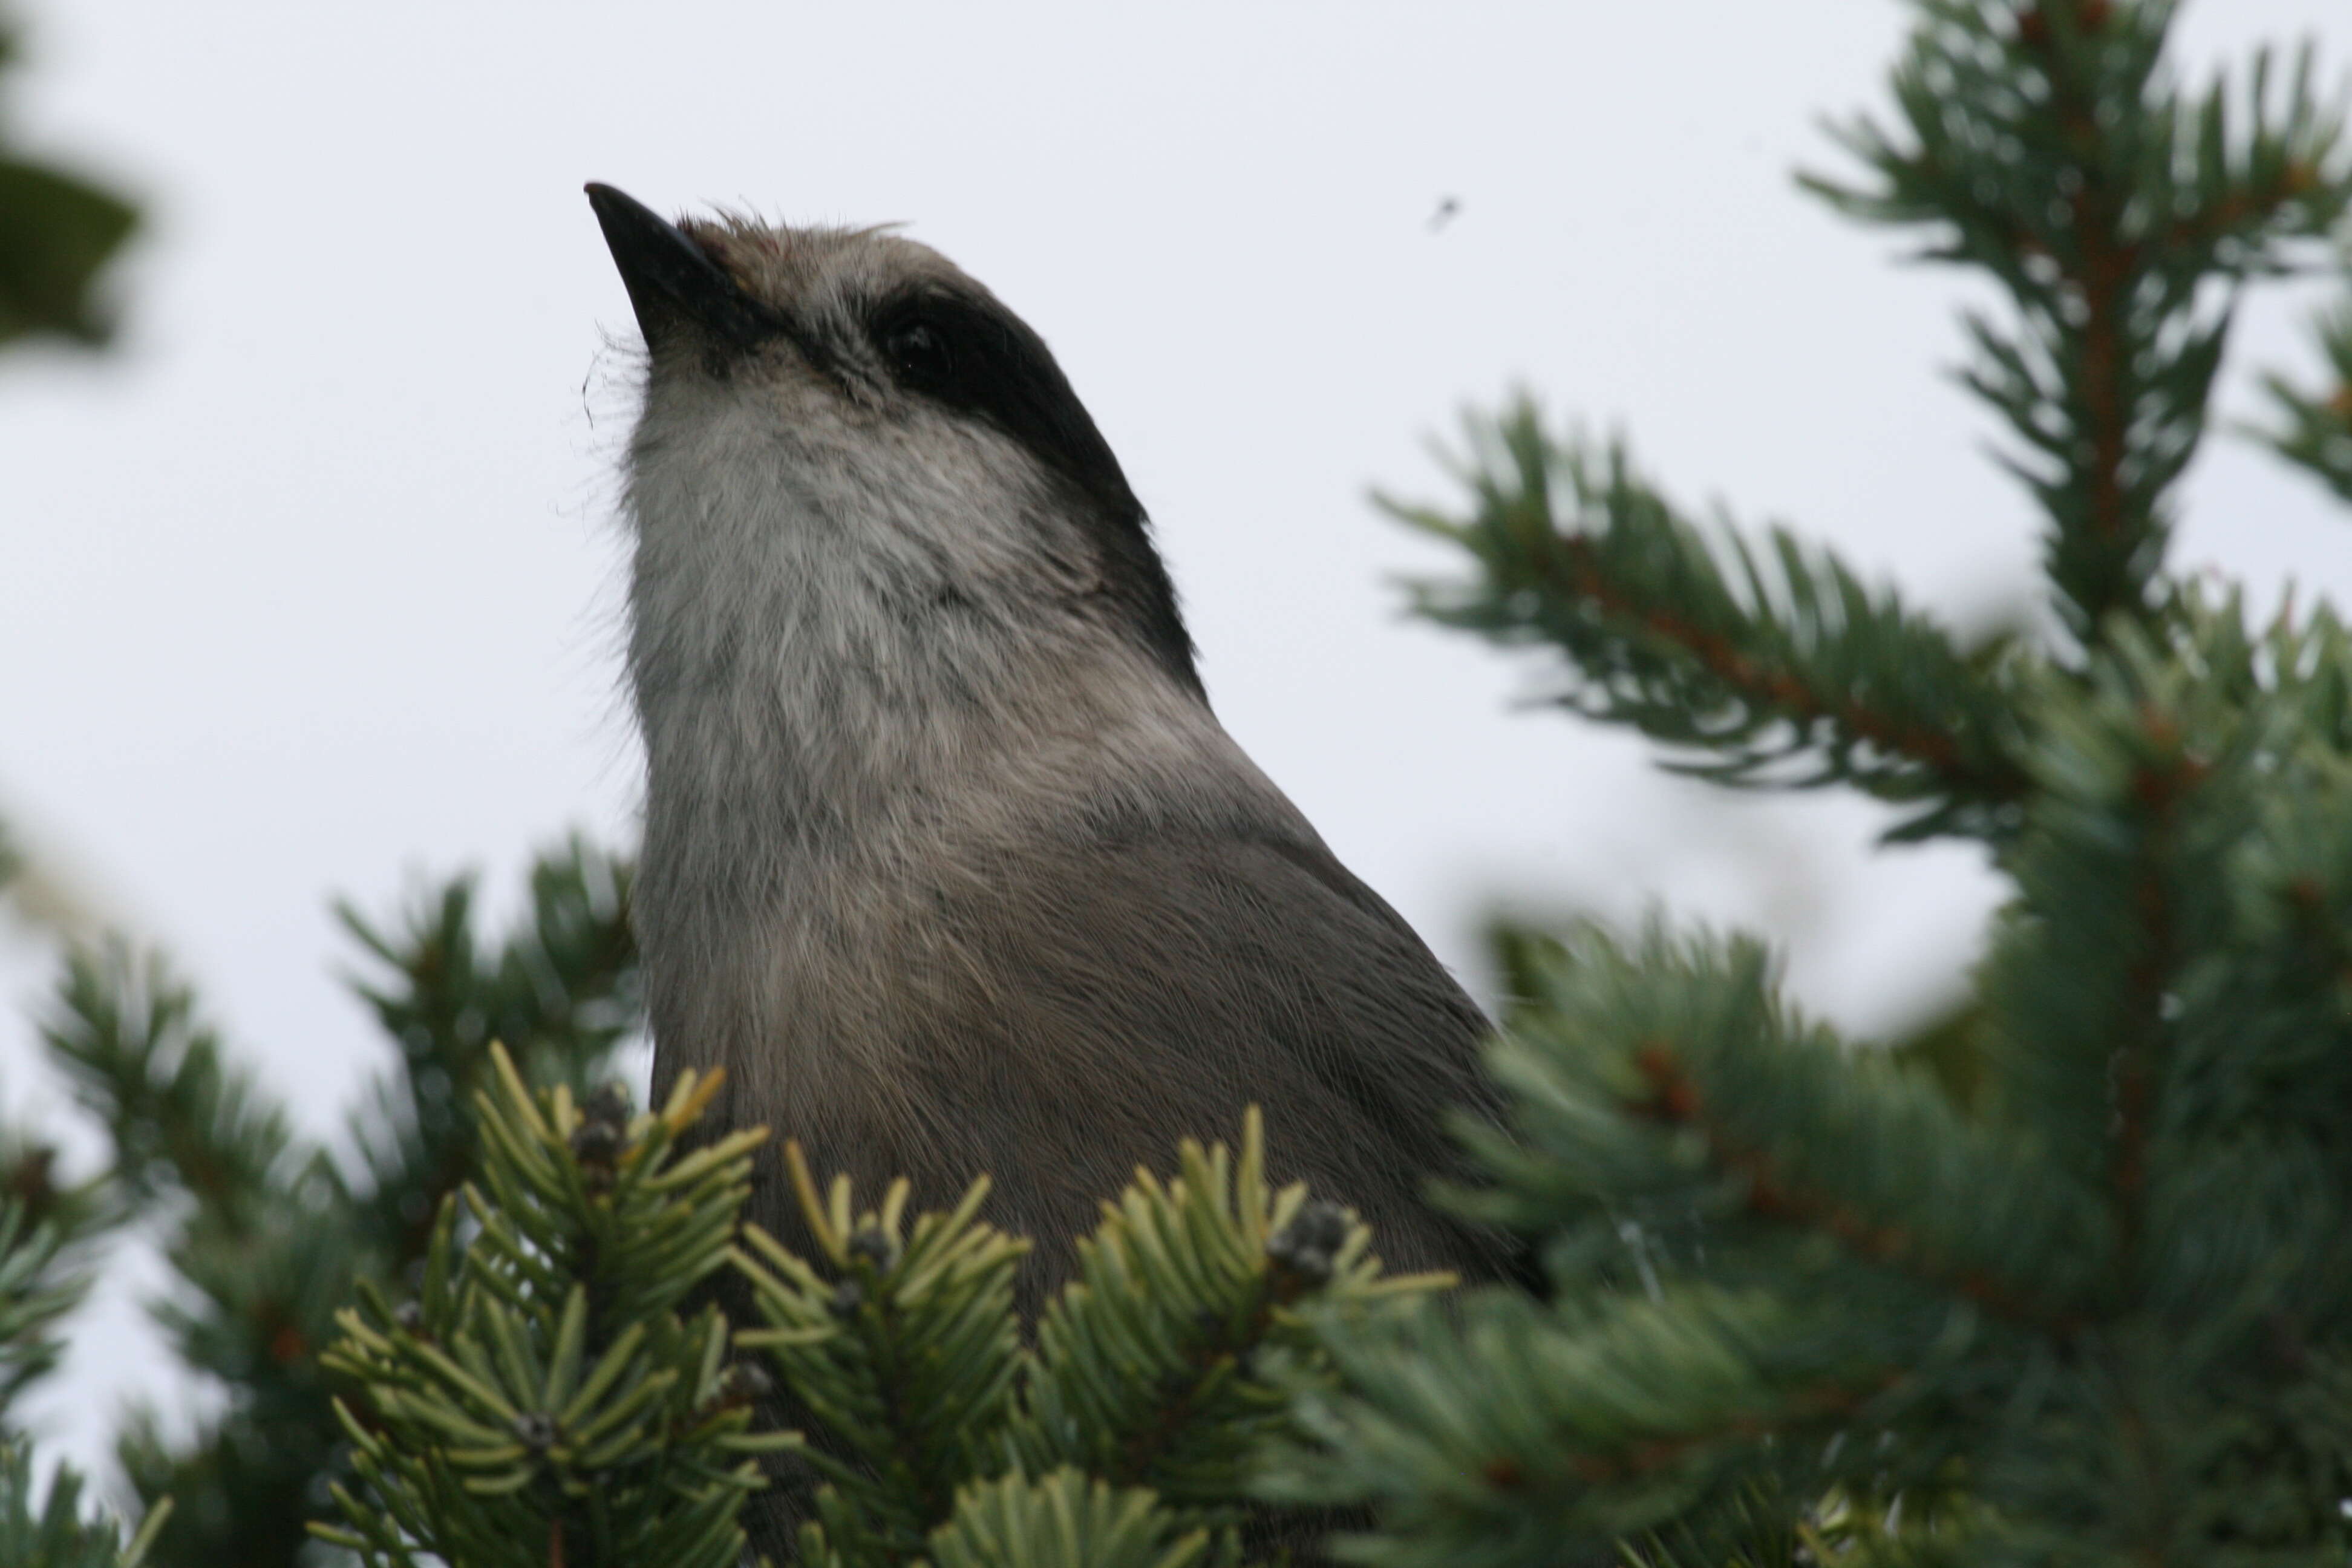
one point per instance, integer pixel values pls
(668, 277)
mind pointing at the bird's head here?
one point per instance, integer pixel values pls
(814, 393)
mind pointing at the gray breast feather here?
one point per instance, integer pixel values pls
(1091, 1003)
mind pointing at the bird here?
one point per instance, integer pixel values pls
(947, 860)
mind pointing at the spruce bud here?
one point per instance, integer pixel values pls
(1307, 1247)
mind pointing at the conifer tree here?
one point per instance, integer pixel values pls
(44, 1234)
(544, 1398)
(268, 1235)
(57, 232)
(2078, 1291)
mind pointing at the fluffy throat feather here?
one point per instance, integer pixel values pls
(857, 628)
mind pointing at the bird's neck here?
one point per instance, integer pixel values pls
(808, 699)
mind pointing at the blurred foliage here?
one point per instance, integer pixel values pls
(2062, 1276)
(2315, 425)
(57, 232)
(268, 1234)
(53, 1530)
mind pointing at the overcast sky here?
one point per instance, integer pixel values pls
(310, 586)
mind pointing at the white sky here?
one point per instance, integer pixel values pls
(311, 586)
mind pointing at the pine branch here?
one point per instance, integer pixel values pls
(2142, 1225)
(904, 1351)
(2264, 1046)
(53, 1532)
(2118, 880)
(1666, 1093)
(542, 1400)
(560, 991)
(45, 1232)
(276, 1236)
(1776, 1520)
(128, 1037)
(2314, 428)
(1064, 1519)
(1154, 1366)
(1509, 1433)
(261, 1239)
(58, 232)
(2296, 667)
(2111, 1302)
(1162, 1371)
(1775, 668)
(2044, 143)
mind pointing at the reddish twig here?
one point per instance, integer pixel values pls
(2159, 791)
(1675, 1099)
(1653, 1454)
(1778, 689)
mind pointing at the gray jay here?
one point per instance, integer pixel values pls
(947, 860)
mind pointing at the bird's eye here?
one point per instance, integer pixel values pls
(919, 354)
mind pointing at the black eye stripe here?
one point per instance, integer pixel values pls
(974, 356)
(969, 353)
(918, 352)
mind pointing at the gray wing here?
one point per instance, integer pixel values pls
(1114, 995)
